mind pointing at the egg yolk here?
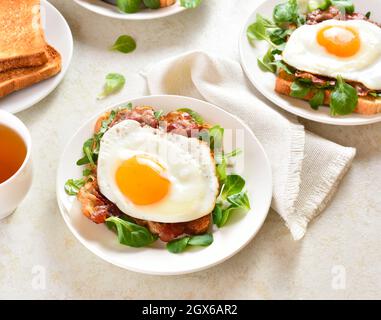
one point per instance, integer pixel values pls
(340, 41)
(140, 179)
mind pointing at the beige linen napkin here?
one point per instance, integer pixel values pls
(306, 168)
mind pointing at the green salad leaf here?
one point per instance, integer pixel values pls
(286, 13)
(233, 185)
(344, 98)
(129, 6)
(158, 114)
(196, 116)
(87, 172)
(266, 64)
(281, 65)
(375, 94)
(179, 245)
(92, 145)
(240, 200)
(190, 4)
(152, 4)
(72, 186)
(299, 90)
(279, 36)
(318, 4)
(234, 153)
(114, 83)
(124, 44)
(130, 234)
(318, 99)
(231, 199)
(258, 30)
(344, 5)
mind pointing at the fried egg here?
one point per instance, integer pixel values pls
(157, 176)
(350, 48)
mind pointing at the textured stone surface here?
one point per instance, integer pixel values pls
(272, 266)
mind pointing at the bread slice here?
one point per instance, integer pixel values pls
(16, 79)
(366, 105)
(22, 41)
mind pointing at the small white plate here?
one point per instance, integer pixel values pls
(265, 81)
(157, 260)
(58, 35)
(109, 10)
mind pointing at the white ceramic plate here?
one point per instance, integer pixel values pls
(58, 34)
(265, 81)
(109, 10)
(157, 260)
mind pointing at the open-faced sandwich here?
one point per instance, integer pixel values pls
(150, 175)
(132, 6)
(325, 52)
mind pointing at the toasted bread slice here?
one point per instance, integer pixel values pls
(16, 79)
(366, 105)
(22, 41)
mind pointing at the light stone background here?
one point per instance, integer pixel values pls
(272, 266)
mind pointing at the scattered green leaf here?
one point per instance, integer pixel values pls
(114, 83)
(124, 44)
(190, 4)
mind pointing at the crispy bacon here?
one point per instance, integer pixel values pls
(170, 231)
(315, 79)
(182, 123)
(144, 115)
(362, 91)
(94, 205)
(332, 12)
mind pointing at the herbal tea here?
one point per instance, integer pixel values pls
(12, 152)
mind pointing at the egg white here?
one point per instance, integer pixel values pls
(304, 53)
(189, 166)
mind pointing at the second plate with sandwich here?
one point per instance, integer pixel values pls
(109, 9)
(324, 62)
(32, 69)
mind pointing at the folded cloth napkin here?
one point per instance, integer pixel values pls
(306, 168)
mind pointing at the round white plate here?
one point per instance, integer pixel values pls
(109, 10)
(58, 35)
(265, 81)
(157, 260)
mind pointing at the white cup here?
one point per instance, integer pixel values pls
(14, 190)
